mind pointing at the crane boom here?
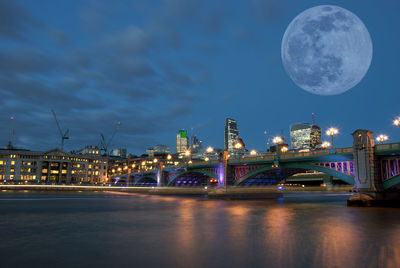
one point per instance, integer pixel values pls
(58, 124)
(104, 144)
(63, 136)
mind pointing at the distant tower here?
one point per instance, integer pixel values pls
(195, 144)
(231, 134)
(304, 136)
(182, 142)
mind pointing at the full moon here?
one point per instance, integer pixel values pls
(326, 50)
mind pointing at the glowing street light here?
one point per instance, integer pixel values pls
(253, 152)
(238, 146)
(187, 153)
(284, 149)
(382, 138)
(155, 160)
(332, 132)
(326, 144)
(133, 165)
(169, 157)
(206, 159)
(190, 161)
(396, 122)
(277, 140)
(209, 149)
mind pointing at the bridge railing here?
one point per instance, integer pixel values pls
(387, 146)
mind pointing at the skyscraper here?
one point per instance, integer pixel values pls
(231, 134)
(304, 136)
(195, 145)
(182, 141)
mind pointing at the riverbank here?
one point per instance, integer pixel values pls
(225, 193)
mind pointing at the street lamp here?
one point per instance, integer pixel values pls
(382, 138)
(209, 149)
(238, 146)
(326, 144)
(187, 153)
(155, 160)
(206, 159)
(396, 122)
(284, 149)
(169, 157)
(332, 132)
(277, 140)
(253, 152)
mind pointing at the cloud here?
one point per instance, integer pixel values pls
(15, 21)
(132, 40)
(25, 60)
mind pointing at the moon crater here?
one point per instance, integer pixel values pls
(326, 50)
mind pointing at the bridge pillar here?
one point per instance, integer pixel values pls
(366, 180)
(159, 175)
(222, 169)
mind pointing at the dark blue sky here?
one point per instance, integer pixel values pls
(161, 66)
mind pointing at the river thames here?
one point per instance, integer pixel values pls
(137, 230)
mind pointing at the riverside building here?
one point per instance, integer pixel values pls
(231, 135)
(182, 142)
(305, 136)
(19, 166)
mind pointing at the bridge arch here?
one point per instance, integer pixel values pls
(393, 181)
(331, 172)
(146, 177)
(199, 171)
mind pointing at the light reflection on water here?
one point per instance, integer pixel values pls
(135, 230)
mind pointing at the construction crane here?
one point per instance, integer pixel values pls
(63, 136)
(104, 144)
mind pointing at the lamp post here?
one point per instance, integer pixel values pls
(396, 122)
(238, 146)
(326, 144)
(382, 138)
(332, 132)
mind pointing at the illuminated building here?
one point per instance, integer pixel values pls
(120, 152)
(305, 136)
(19, 166)
(195, 144)
(90, 149)
(182, 142)
(231, 135)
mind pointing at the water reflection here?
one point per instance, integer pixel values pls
(280, 236)
(338, 242)
(135, 230)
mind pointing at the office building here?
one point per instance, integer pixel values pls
(182, 142)
(305, 136)
(19, 166)
(119, 152)
(231, 135)
(195, 146)
(161, 149)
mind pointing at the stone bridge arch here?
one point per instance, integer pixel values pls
(301, 166)
(199, 171)
(146, 177)
(393, 181)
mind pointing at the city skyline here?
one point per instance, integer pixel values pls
(164, 66)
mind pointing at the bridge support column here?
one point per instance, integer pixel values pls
(366, 181)
(222, 169)
(159, 175)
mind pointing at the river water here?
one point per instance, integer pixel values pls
(137, 230)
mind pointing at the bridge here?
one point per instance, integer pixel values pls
(372, 169)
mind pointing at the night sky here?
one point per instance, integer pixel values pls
(161, 66)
